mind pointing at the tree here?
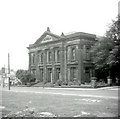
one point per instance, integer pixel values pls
(113, 59)
(100, 52)
(106, 52)
(25, 76)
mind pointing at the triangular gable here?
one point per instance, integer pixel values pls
(47, 37)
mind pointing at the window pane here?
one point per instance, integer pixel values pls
(58, 55)
(50, 56)
(41, 57)
(73, 53)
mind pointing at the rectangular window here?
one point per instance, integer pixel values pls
(57, 73)
(87, 53)
(49, 57)
(32, 58)
(58, 55)
(38, 57)
(73, 73)
(41, 57)
(41, 74)
(73, 53)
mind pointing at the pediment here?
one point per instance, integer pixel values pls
(47, 37)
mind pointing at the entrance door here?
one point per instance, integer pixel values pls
(49, 74)
(73, 73)
(87, 75)
(41, 75)
(57, 73)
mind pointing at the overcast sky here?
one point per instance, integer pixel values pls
(22, 22)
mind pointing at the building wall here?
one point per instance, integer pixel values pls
(68, 60)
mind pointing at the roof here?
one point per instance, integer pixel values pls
(82, 34)
(62, 37)
(46, 33)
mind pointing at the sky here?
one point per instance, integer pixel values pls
(22, 22)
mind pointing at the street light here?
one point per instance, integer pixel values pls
(8, 71)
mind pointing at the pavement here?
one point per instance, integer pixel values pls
(77, 101)
(104, 92)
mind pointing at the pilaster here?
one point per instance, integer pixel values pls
(53, 67)
(29, 62)
(80, 62)
(62, 62)
(68, 73)
(44, 66)
(37, 67)
(65, 63)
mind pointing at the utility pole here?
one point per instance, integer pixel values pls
(3, 76)
(8, 71)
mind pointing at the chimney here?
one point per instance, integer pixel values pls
(62, 34)
(48, 29)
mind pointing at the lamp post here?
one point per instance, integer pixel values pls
(8, 71)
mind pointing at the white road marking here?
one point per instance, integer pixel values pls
(82, 113)
(66, 94)
(112, 87)
(89, 100)
(46, 114)
(77, 115)
(85, 113)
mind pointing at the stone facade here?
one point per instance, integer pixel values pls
(64, 57)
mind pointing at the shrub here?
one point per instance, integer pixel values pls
(101, 83)
(64, 83)
(51, 85)
(37, 81)
(32, 79)
(74, 82)
(94, 78)
(53, 82)
(70, 83)
(79, 83)
(59, 82)
(93, 82)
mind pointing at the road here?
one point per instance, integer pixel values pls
(64, 101)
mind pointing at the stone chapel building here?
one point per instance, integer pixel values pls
(64, 57)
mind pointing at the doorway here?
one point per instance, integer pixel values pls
(41, 75)
(73, 74)
(57, 73)
(87, 74)
(49, 74)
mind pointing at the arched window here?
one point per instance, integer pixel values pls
(49, 57)
(41, 58)
(87, 53)
(73, 53)
(58, 55)
(32, 58)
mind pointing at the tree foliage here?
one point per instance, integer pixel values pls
(25, 76)
(106, 52)
(101, 51)
(114, 34)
